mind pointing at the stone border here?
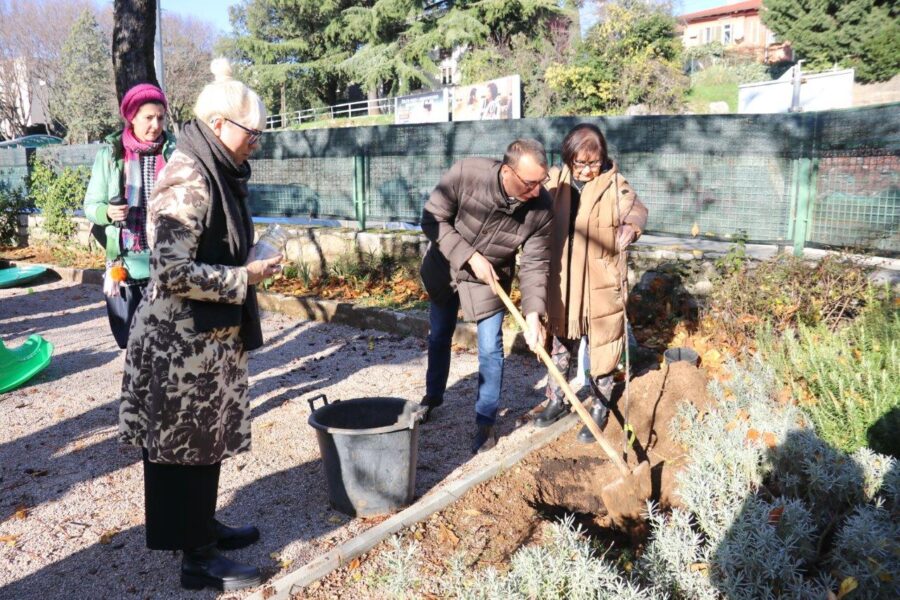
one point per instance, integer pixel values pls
(293, 582)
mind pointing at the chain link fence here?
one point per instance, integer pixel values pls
(827, 179)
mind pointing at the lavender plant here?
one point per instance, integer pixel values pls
(770, 511)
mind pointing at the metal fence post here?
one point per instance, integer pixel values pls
(805, 195)
(359, 189)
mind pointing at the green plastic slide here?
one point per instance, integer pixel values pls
(18, 365)
(14, 276)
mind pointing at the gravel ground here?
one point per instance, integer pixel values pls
(71, 497)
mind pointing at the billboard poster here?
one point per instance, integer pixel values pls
(494, 99)
(430, 107)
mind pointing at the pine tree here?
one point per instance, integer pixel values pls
(859, 34)
(84, 96)
(310, 51)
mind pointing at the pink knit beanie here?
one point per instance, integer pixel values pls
(139, 95)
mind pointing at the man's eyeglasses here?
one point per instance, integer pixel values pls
(530, 184)
(581, 164)
(254, 133)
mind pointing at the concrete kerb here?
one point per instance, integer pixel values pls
(293, 582)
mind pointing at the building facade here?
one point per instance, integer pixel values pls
(738, 28)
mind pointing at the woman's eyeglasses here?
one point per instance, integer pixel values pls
(254, 133)
(581, 164)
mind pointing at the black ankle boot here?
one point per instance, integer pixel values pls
(553, 412)
(205, 567)
(599, 413)
(233, 538)
(484, 439)
(430, 404)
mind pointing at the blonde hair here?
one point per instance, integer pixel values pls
(228, 98)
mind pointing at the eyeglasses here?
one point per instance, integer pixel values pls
(530, 184)
(581, 164)
(254, 133)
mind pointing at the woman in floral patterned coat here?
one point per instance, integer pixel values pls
(184, 390)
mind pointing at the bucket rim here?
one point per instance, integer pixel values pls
(414, 418)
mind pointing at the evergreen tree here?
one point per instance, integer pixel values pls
(859, 34)
(307, 52)
(84, 98)
(283, 45)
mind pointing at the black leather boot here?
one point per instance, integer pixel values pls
(553, 412)
(430, 404)
(599, 413)
(205, 567)
(484, 439)
(233, 538)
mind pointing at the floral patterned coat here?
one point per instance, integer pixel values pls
(184, 392)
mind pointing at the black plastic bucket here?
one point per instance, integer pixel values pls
(681, 355)
(369, 448)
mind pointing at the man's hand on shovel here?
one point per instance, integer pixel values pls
(535, 334)
(484, 271)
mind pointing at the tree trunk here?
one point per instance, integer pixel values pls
(134, 28)
(284, 120)
(373, 97)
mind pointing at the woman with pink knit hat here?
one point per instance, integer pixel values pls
(122, 179)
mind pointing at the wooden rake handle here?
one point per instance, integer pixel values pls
(570, 395)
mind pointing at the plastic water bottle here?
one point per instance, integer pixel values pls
(271, 243)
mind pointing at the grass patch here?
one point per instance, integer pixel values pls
(701, 95)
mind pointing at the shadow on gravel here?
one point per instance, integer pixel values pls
(42, 467)
(82, 304)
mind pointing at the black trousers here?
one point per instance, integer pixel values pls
(180, 504)
(120, 310)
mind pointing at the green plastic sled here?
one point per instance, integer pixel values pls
(20, 275)
(18, 365)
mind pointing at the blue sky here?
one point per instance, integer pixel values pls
(213, 11)
(216, 11)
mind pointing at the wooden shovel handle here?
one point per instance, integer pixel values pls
(570, 395)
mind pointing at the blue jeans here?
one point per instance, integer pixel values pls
(442, 320)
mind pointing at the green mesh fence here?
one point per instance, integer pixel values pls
(827, 178)
(13, 168)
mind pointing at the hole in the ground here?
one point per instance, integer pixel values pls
(589, 522)
(614, 542)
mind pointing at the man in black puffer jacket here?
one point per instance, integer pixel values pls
(477, 218)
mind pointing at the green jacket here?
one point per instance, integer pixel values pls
(107, 181)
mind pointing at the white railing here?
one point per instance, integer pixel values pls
(360, 108)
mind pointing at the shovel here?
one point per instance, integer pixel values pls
(625, 498)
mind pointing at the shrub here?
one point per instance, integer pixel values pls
(566, 567)
(762, 496)
(57, 193)
(769, 511)
(846, 381)
(12, 201)
(784, 293)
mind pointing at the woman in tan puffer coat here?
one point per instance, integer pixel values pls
(596, 215)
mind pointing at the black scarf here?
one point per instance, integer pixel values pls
(228, 230)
